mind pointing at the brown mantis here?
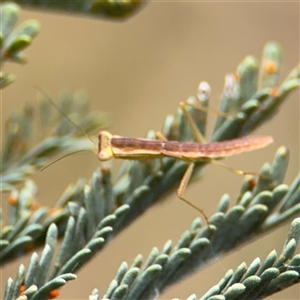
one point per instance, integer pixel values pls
(114, 146)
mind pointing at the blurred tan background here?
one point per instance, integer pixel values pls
(138, 71)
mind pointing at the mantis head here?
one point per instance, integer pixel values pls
(104, 148)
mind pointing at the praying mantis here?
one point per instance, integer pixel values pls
(114, 146)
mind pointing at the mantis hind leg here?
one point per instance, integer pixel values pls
(182, 186)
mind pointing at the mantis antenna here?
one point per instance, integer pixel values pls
(63, 114)
(73, 123)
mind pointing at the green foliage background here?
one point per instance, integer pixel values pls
(139, 71)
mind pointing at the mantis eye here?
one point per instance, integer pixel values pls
(105, 154)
